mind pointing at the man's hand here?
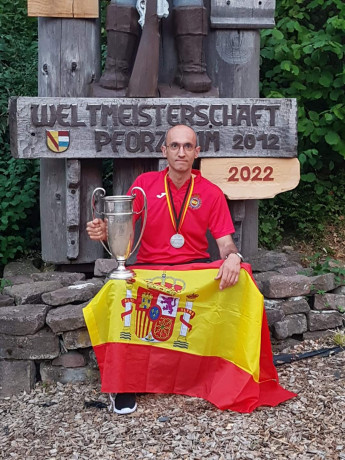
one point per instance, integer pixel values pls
(97, 230)
(229, 271)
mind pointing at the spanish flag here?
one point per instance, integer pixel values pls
(171, 330)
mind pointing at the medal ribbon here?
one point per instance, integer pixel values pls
(177, 221)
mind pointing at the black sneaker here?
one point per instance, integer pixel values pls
(122, 403)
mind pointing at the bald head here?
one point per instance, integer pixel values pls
(180, 130)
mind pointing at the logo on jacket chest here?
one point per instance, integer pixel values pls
(195, 202)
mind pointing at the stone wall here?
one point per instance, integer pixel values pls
(43, 334)
(298, 306)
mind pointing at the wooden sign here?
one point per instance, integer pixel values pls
(64, 8)
(252, 178)
(135, 128)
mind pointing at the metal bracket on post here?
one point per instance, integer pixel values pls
(73, 176)
(242, 14)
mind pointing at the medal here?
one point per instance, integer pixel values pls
(177, 240)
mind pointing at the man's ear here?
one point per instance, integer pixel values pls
(197, 151)
(164, 150)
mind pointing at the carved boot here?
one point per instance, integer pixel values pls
(122, 37)
(191, 26)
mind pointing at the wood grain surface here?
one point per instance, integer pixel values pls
(135, 127)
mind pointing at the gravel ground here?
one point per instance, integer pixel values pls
(53, 423)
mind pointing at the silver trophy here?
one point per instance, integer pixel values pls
(119, 215)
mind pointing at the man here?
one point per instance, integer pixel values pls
(182, 205)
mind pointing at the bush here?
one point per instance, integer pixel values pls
(19, 179)
(303, 213)
(303, 57)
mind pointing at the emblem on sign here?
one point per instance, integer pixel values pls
(57, 141)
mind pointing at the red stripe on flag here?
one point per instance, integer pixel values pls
(148, 369)
(63, 133)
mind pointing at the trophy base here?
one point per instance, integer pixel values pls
(124, 274)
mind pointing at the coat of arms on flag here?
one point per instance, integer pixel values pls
(156, 308)
(57, 141)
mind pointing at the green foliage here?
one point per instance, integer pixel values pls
(321, 264)
(303, 58)
(103, 10)
(19, 179)
(270, 229)
(3, 283)
(305, 212)
(18, 195)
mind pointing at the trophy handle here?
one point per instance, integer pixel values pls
(145, 216)
(94, 210)
(93, 199)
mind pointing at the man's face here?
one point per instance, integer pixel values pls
(180, 149)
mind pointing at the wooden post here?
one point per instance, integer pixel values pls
(233, 62)
(126, 171)
(143, 83)
(69, 60)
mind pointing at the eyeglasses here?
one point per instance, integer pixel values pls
(175, 147)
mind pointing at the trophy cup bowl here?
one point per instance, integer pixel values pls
(119, 215)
